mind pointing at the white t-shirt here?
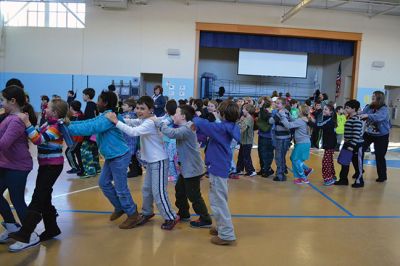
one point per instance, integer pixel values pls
(151, 143)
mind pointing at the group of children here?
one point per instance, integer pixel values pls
(167, 146)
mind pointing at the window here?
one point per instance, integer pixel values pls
(43, 14)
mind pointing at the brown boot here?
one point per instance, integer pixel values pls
(213, 231)
(116, 214)
(132, 221)
(218, 241)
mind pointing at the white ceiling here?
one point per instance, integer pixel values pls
(370, 8)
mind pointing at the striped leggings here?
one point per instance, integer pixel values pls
(328, 168)
(155, 189)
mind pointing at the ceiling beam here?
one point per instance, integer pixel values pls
(294, 10)
(384, 11)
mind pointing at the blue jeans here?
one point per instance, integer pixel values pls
(265, 153)
(281, 148)
(118, 194)
(15, 182)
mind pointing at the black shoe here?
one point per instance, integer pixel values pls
(278, 179)
(342, 182)
(260, 172)
(286, 171)
(268, 174)
(357, 185)
(381, 180)
(73, 171)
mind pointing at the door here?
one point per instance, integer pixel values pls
(148, 82)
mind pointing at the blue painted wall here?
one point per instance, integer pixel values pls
(37, 85)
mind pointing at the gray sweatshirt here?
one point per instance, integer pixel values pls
(301, 129)
(187, 147)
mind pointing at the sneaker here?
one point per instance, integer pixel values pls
(308, 172)
(213, 231)
(222, 242)
(73, 171)
(381, 180)
(239, 173)
(18, 246)
(260, 172)
(278, 179)
(116, 214)
(298, 181)
(329, 182)
(305, 180)
(200, 224)
(9, 228)
(145, 218)
(132, 221)
(233, 176)
(170, 224)
(84, 175)
(251, 174)
(342, 182)
(268, 173)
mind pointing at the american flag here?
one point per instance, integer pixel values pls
(338, 80)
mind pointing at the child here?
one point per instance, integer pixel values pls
(246, 141)
(218, 157)
(265, 146)
(170, 144)
(192, 167)
(15, 160)
(89, 149)
(353, 140)
(153, 152)
(50, 143)
(71, 96)
(74, 155)
(317, 116)
(211, 109)
(43, 106)
(117, 157)
(329, 141)
(282, 140)
(133, 142)
(294, 110)
(301, 151)
(341, 120)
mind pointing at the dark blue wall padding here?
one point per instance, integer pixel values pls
(276, 43)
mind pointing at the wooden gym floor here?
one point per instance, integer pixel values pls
(276, 224)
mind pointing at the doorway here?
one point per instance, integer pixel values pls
(148, 81)
(393, 101)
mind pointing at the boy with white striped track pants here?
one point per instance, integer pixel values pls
(153, 152)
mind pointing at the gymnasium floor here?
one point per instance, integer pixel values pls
(276, 224)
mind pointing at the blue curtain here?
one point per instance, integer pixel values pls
(275, 43)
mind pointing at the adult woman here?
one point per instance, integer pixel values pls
(159, 101)
(377, 131)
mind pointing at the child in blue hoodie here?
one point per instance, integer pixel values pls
(218, 162)
(117, 157)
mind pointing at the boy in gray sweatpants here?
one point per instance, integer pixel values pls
(218, 160)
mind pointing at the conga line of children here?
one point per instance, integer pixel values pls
(119, 137)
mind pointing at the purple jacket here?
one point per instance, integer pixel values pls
(14, 148)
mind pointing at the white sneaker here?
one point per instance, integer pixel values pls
(18, 246)
(9, 228)
(253, 174)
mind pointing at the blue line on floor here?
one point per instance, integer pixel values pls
(330, 199)
(327, 197)
(268, 216)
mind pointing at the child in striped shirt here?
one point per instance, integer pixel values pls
(50, 143)
(353, 140)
